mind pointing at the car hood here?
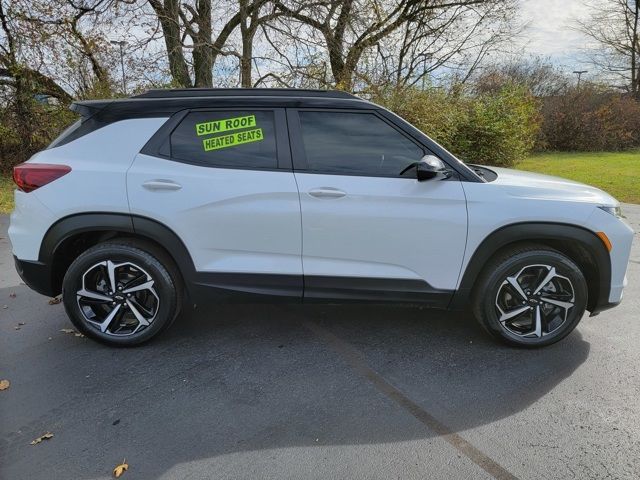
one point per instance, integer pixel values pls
(535, 185)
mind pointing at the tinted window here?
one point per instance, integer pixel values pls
(66, 135)
(244, 139)
(355, 143)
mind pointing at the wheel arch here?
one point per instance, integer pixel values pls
(72, 235)
(579, 244)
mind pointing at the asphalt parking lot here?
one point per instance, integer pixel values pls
(294, 391)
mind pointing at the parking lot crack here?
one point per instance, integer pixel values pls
(357, 362)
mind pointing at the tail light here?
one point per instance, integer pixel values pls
(31, 176)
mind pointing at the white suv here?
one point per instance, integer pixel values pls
(300, 195)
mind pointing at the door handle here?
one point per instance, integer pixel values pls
(160, 184)
(327, 192)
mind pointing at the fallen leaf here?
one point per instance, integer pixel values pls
(46, 436)
(120, 469)
(55, 300)
(4, 384)
(71, 331)
(12, 295)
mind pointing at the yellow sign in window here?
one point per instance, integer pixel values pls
(238, 138)
(225, 125)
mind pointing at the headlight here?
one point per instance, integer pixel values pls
(615, 211)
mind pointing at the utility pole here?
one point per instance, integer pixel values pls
(579, 73)
(121, 44)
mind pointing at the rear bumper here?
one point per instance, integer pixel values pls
(36, 275)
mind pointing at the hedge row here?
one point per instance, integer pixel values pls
(589, 119)
(492, 129)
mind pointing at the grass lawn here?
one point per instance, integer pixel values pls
(617, 173)
(6, 194)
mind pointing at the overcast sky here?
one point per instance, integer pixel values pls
(549, 33)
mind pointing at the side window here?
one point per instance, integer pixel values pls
(232, 138)
(355, 144)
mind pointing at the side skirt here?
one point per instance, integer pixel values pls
(246, 287)
(269, 288)
(374, 290)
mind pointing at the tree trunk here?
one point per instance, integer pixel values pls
(341, 77)
(24, 112)
(635, 53)
(168, 16)
(245, 62)
(247, 32)
(102, 76)
(202, 51)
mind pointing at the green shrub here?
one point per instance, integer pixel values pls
(435, 112)
(492, 129)
(501, 129)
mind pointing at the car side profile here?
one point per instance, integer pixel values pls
(187, 196)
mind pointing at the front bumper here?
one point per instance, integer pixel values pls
(36, 275)
(620, 234)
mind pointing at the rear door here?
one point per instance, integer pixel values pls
(221, 179)
(369, 232)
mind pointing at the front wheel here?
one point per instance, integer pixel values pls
(121, 294)
(530, 296)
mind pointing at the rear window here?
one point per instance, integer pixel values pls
(230, 139)
(66, 135)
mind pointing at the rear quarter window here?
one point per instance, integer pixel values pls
(67, 135)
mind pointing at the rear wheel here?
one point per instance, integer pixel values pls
(120, 294)
(530, 296)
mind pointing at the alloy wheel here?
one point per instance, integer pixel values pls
(534, 302)
(118, 298)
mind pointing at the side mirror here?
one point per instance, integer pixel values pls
(427, 168)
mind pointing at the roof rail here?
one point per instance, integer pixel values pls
(233, 92)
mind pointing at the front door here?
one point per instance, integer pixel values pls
(368, 232)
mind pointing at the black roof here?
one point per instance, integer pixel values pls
(243, 92)
(167, 102)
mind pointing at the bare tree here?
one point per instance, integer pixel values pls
(188, 26)
(615, 26)
(20, 83)
(351, 28)
(253, 16)
(455, 40)
(15, 72)
(539, 76)
(168, 12)
(64, 19)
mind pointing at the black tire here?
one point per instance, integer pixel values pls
(497, 297)
(134, 266)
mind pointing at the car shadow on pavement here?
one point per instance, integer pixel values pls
(239, 378)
